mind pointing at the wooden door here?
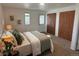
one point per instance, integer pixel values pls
(66, 21)
(51, 21)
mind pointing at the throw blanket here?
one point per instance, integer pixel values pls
(45, 41)
(35, 42)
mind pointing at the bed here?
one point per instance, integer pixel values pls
(34, 43)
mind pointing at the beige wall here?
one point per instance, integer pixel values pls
(19, 14)
(1, 18)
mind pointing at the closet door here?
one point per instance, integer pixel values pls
(66, 21)
(51, 20)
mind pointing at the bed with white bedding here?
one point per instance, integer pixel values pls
(34, 43)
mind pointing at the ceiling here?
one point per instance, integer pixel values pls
(37, 6)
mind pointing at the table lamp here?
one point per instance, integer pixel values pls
(8, 27)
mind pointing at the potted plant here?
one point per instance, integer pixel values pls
(7, 39)
(2, 45)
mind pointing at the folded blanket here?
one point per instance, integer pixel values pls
(35, 42)
(45, 41)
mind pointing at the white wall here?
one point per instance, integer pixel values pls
(75, 27)
(1, 17)
(19, 14)
(57, 24)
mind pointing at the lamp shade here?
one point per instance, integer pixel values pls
(9, 27)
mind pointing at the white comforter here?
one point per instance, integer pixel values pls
(35, 42)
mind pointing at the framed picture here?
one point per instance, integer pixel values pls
(12, 18)
(19, 21)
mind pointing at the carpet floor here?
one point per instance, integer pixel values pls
(61, 48)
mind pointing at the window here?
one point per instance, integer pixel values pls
(41, 20)
(27, 18)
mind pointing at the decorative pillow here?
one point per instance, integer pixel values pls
(18, 37)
